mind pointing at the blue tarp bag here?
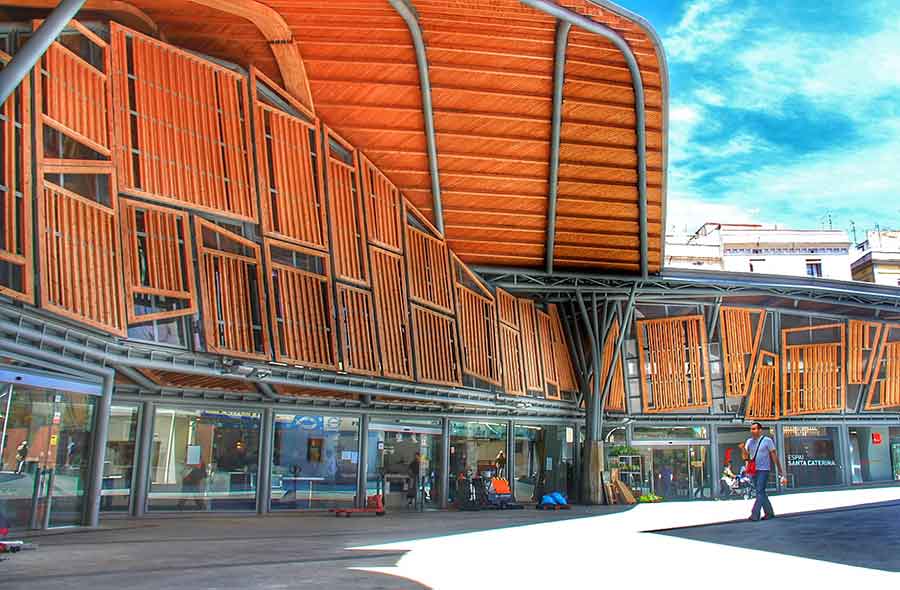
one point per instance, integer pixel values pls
(548, 500)
(559, 498)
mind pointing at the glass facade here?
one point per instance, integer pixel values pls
(118, 468)
(405, 455)
(477, 448)
(45, 456)
(315, 461)
(812, 456)
(874, 453)
(203, 459)
(544, 461)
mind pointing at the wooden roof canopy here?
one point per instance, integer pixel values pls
(490, 65)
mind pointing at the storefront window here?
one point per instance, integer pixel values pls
(672, 461)
(670, 433)
(315, 461)
(45, 456)
(477, 448)
(544, 461)
(405, 455)
(871, 450)
(731, 456)
(203, 459)
(118, 468)
(811, 453)
(895, 452)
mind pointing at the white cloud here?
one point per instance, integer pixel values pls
(686, 213)
(705, 26)
(710, 96)
(758, 68)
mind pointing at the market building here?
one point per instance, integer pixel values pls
(762, 249)
(878, 258)
(261, 256)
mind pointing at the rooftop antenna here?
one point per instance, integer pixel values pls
(853, 230)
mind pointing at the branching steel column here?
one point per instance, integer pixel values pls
(26, 57)
(405, 9)
(564, 14)
(617, 354)
(559, 78)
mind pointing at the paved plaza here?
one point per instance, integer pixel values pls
(835, 538)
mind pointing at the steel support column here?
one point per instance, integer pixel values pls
(445, 462)
(405, 9)
(264, 479)
(511, 454)
(578, 20)
(25, 58)
(714, 459)
(362, 476)
(617, 354)
(559, 78)
(141, 483)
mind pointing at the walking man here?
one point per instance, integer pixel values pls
(760, 450)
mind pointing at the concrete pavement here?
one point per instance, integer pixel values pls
(674, 545)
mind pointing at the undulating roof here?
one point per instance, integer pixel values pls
(491, 68)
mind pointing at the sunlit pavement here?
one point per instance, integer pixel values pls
(619, 549)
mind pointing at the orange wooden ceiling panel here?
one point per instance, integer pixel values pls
(491, 65)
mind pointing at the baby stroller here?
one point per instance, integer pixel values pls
(738, 486)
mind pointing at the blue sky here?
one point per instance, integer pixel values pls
(782, 112)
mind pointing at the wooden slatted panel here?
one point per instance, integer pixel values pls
(884, 386)
(478, 330)
(615, 402)
(813, 381)
(180, 132)
(384, 208)
(740, 337)
(674, 363)
(513, 369)
(173, 379)
(888, 389)
(508, 308)
(73, 97)
(534, 375)
(764, 400)
(80, 265)
(356, 314)
(348, 238)
(231, 293)
(565, 369)
(813, 373)
(157, 258)
(861, 339)
(290, 176)
(17, 276)
(548, 354)
(437, 358)
(391, 306)
(428, 266)
(301, 305)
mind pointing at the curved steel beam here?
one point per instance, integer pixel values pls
(578, 20)
(408, 13)
(281, 41)
(559, 78)
(664, 85)
(116, 6)
(26, 57)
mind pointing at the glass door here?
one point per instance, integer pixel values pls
(677, 472)
(45, 456)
